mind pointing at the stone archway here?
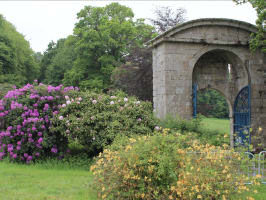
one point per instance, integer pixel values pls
(199, 47)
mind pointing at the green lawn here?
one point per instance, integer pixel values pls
(28, 182)
(219, 125)
(261, 195)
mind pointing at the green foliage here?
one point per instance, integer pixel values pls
(211, 103)
(258, 40)
(4, 88)
(196, 129)
(57, 60)
(166, 166)
(182, 125)
(103, 36)
(94, 119)
(17, 63)
(69, 161)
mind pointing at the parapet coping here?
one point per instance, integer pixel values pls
(202, 22)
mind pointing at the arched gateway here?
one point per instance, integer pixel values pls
(211, 53)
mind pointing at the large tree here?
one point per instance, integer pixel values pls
(104, 36)
(17, 63)
(135, 76)
(57, 60)
(258, 40)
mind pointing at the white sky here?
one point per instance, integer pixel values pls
(43, 21)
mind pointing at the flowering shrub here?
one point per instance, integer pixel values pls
(25, 116)
(96, 119)
(166, 167)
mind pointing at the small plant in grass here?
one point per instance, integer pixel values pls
(166, 166)
(94, 119)
(25, 115)
(195, 127)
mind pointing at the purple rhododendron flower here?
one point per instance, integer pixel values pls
(40, 140)
(29, 158)
(54, 150)
(50, 98)
(8, 133)
(46, 107)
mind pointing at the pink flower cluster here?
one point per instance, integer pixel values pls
(25, 120)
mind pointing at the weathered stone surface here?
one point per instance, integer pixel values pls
(202, 51)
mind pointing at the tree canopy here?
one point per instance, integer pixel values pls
(167, 18)
(104, 36)
(258, 40)
(17, 63)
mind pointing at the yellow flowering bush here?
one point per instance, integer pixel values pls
(165, 166)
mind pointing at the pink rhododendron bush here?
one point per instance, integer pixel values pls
(25, 122)
(94, 120)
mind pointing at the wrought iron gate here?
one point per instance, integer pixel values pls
(194, 99)
(242, 117)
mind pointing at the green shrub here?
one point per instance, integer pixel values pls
(94, 120)
(165, 166)
(181, 125)
(195, 127)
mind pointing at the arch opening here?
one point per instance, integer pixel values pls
(219, 74)
(212, 104)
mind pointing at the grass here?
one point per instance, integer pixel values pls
(50, 181)
(260, 195)
(218, 125)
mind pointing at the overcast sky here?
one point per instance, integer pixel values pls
(43, 21)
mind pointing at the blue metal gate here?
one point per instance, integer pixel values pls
(242, 117)
(194, 99)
